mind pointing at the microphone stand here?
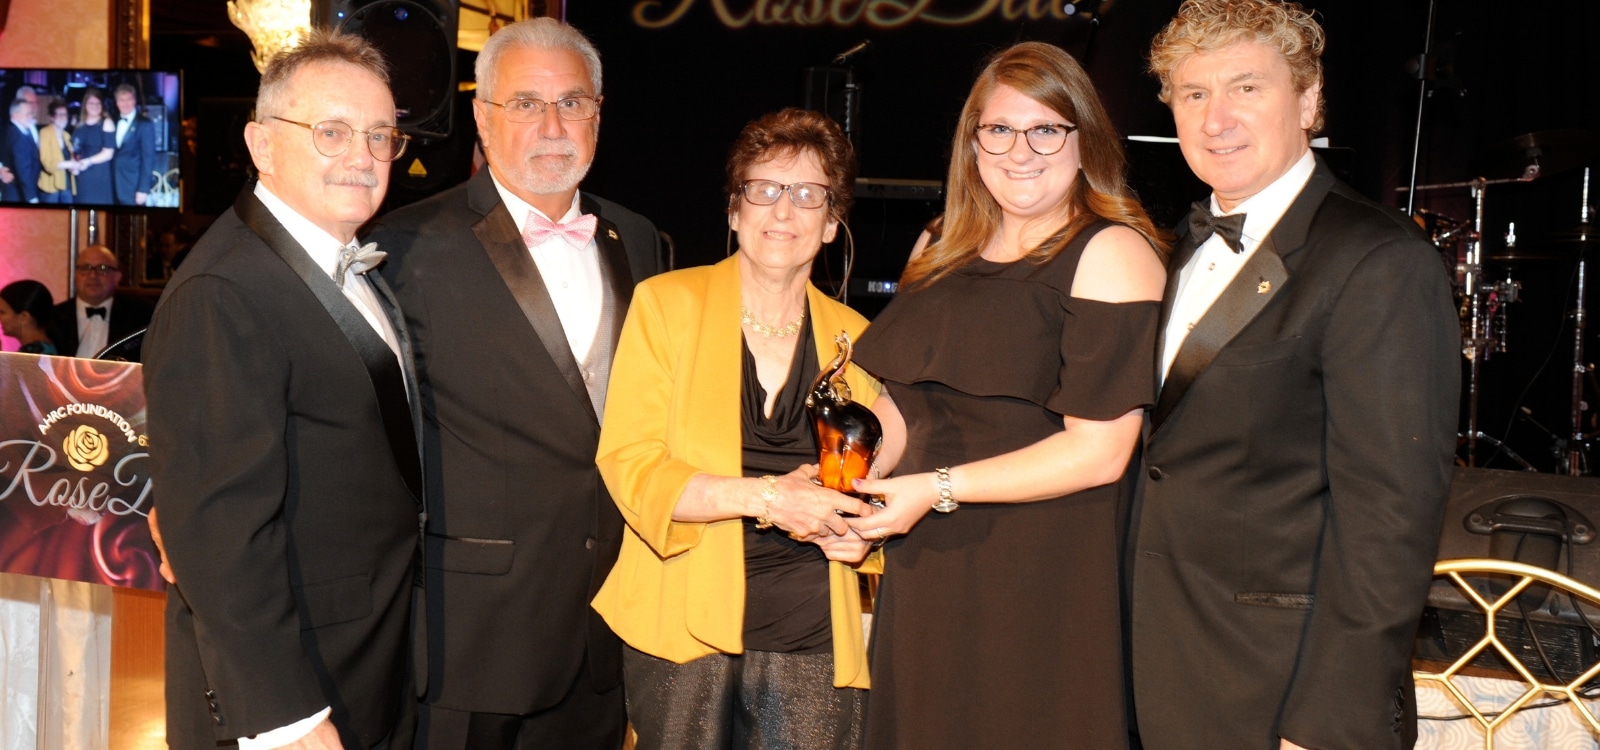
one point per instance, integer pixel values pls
(1423, 74)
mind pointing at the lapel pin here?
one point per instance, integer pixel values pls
(612, 233)
(1264, 287)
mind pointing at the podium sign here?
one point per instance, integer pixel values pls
(75, 471)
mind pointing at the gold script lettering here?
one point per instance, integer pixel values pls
(883, 14)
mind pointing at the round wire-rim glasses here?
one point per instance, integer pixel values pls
(1045, 140)
(801, 194)
(528, 109)
(332, 138)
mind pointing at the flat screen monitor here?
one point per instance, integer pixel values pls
(90, 138)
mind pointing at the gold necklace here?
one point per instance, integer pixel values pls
(765, 330)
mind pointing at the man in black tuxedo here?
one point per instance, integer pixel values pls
(97, 315)
(133, 164)
(19, 152)
(1299, 454)
(282, 422)
(515, 285)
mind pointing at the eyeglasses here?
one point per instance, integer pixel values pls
(523, 109)
(801, 194)
(100, 268)
(1044, 139)
(332, 138)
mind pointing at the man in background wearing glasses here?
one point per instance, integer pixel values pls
(281, 400)
(97, 316)
(515, 285)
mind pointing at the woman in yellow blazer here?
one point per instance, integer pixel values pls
(58, 179)
(736, 588)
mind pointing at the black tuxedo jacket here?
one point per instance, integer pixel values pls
(288, 481)
(521, 530)
(133, 164)
(128, 314)
(20, 153)
(1296, 471)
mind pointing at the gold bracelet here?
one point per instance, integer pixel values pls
(769, 495)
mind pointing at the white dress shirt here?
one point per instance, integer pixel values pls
(124, 124)
(1212, 267)
(93, 332)
(324, 250)
(571, 275)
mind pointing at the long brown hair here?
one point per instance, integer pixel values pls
(1050, 76)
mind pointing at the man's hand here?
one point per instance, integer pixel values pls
(323, 737)
(155, 536)
(5, 175)
(139, 198)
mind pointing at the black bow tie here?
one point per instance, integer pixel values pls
(1202, 225)
(95, 312)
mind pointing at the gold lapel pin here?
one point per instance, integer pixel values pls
(1264, 287)
(612, 233)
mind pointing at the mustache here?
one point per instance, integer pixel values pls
(562, 147)
(359, 179)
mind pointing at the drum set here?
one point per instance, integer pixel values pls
(1486, 287)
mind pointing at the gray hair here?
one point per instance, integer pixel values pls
(319, 46)
(535, 33)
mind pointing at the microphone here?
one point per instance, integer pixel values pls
(861, 46)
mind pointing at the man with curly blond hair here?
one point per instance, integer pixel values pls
(1299, 455)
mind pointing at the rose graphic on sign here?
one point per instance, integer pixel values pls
(86, 448)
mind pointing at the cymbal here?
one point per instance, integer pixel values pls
(1536, 155)
(1565, 245)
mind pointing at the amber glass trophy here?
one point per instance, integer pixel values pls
(848, 434)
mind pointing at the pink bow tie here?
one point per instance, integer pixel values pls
(539, 230)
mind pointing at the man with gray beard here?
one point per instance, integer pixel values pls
(515, 286)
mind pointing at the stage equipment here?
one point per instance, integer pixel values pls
(1482, 302)
(418, 38)
(1539, 520)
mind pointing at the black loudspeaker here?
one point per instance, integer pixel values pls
(1538, 519)
(418, 38)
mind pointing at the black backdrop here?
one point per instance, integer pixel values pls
(676, 96)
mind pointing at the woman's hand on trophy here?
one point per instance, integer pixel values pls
(808, 511)
(906, 500)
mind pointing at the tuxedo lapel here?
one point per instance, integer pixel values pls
(497, 232)
(389, 384)
(1182, 251)
(614, 262)
(1262, 278)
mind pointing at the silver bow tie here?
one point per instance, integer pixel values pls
(360, 261)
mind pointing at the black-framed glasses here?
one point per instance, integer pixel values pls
(801, 194)
(525, 109)
(332, 138)
(1045, 139)
(105, 269)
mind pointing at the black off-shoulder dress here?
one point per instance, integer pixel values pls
(998, 625)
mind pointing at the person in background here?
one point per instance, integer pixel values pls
(740, 632)
(25, 315)
(133, 167)
(1019, 361)
(1299, 456)
(57, 183)
(94, 142)
(19, 152)
(97, 315)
